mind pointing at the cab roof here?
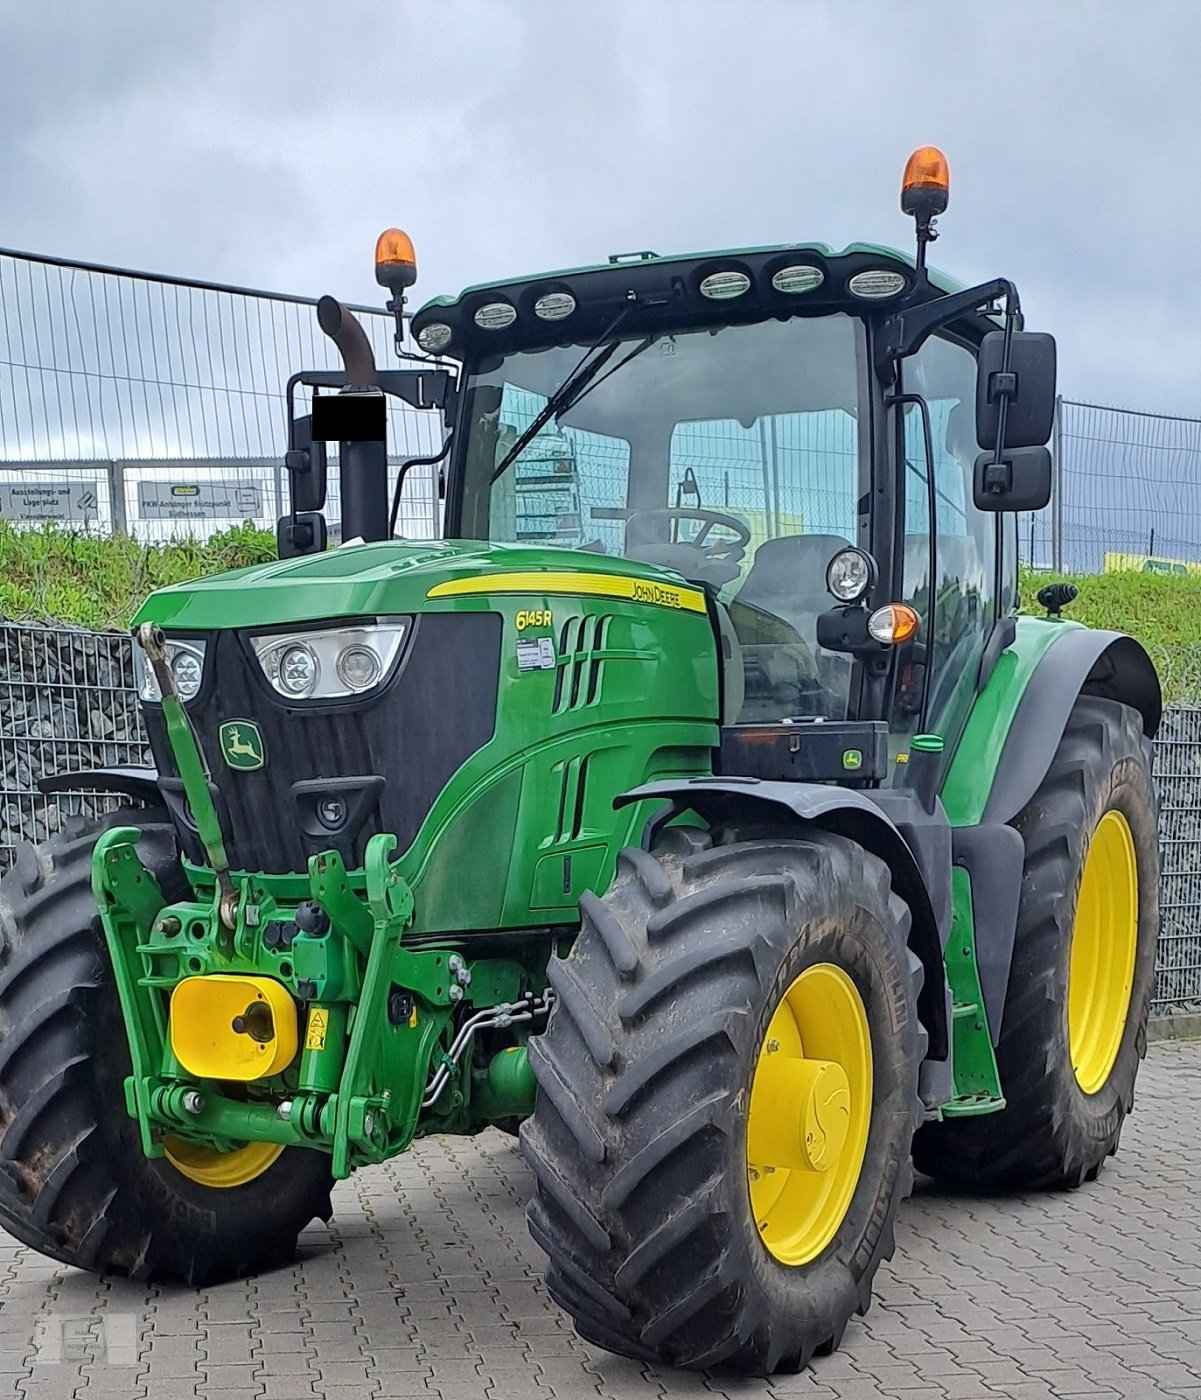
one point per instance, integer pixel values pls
(641, 291)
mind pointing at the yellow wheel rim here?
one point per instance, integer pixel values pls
(221, 1170)
(811, 1104)
(1104, 943)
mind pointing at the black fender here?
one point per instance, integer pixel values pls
(1083, 661)
(136, 782)
(846, 812)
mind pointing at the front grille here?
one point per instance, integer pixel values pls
(384, 759)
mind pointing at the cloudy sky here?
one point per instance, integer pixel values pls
(268, 143)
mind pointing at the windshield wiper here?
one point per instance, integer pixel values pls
(559, 402)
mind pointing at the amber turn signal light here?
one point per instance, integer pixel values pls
(893, 623)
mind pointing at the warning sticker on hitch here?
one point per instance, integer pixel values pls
(318, 1024)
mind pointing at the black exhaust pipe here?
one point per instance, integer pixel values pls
(363, 464)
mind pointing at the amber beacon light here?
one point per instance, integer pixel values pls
(395, 260)
(927, 182)
(925, 189)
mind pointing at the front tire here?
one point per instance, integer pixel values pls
(1075, 1020)
(658, 1110)
(74, 1183)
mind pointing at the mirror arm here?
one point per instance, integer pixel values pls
(907, 331)
(404, 470)
(1005, 391)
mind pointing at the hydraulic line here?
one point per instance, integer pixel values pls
(493, 1018)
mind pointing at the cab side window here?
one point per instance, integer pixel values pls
(949, 574)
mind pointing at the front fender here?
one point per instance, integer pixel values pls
(139, 783)
(1019, 718)
(846, 812)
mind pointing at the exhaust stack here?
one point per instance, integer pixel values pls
(363, 460)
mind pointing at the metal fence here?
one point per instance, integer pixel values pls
(155, 405)
(1127, 493)
(67, 702)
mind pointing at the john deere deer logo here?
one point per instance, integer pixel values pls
(242, 745)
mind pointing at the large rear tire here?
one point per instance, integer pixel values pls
(1075, 1022)
(727, 1097)
(74, 1183)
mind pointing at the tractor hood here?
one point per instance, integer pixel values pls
(392, 577)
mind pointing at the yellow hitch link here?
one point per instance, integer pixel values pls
(232, 1027)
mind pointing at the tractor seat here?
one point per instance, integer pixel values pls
(788, 580)
(774, 615)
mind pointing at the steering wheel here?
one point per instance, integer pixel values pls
(715, 564)
(710, 521)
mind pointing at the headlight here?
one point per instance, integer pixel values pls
(850, 574)
(186, 660)
(332, 664)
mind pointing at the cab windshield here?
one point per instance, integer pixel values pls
(728, 454)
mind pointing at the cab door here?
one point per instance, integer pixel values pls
(949, 572)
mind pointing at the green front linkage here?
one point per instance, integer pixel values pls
(355, 1092)
(379, 1015)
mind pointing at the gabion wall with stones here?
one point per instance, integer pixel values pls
(67, 702)
(1178, 780)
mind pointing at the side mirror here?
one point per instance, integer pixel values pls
(301, 534)
(1029, 386)
(307, 466)
(1021, 480)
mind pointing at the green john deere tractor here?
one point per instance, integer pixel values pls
(698, 803)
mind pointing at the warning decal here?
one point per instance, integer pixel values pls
(318, 1025)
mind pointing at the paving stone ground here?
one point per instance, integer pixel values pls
(426, 1284)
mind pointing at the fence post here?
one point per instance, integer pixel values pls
(116, 496)
(1057, 487)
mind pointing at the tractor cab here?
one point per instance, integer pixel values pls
(832, 446)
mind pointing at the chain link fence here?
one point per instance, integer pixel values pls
(67, 702)
(1127, 493)
(155, 405)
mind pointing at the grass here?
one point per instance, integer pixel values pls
(1163, 611)
(61, 576)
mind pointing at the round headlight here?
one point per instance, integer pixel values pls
(297, 671)
(358, 667)
(721, 286)
(495, 316)
(850, 574)
(187, 671)
(554, 306)
(434, 337)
